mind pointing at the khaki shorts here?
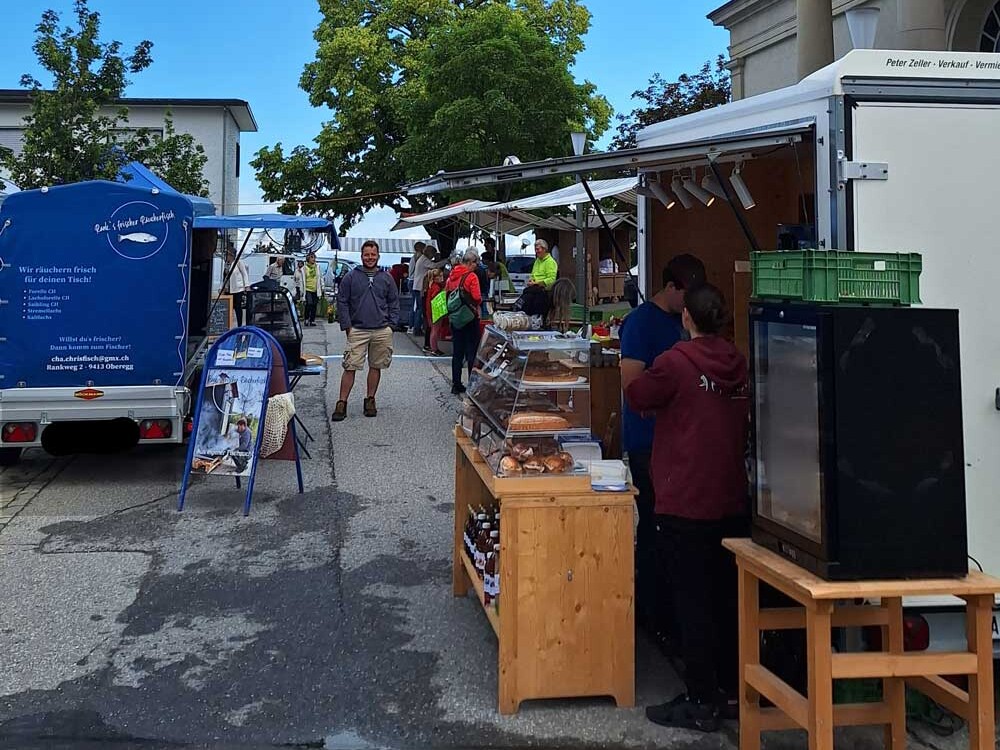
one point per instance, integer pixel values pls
(375, 344)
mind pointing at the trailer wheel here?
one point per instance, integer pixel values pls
(10, 456)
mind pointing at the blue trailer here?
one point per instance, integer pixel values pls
(105, 290)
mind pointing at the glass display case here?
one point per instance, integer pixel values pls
(529, 392)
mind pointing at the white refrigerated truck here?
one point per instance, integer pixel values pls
(881, 151)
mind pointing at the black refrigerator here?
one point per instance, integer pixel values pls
(857, 439)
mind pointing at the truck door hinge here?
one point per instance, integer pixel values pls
(860, 170)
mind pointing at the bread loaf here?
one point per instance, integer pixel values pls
(555, 464)
(534, 422)
(510, 466)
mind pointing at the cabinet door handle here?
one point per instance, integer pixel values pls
(569, 575)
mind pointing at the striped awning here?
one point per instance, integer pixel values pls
(390, 245)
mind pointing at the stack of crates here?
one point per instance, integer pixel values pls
(831, 276)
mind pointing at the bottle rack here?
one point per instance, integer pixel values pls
(565, 623)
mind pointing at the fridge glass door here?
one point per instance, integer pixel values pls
(789, 475)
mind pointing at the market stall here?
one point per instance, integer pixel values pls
(548, 554)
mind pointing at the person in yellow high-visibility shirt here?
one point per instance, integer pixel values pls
(313, 288)
(545, 270)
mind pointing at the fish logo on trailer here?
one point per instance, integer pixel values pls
(137, 230)
(143, 237)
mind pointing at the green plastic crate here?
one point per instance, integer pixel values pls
(600, 315)
(837, 276)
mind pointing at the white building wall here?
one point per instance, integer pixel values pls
(212, 127)
(231, 167)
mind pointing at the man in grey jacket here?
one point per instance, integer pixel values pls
(368, 310)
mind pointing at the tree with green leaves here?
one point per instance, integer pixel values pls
(416, 87)
(77, 130)
(665, 100)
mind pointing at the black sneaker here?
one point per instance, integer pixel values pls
(684, 713)
(369, 407)
(457, 389)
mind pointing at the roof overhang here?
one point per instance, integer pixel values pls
(239, 109)
(637, 159)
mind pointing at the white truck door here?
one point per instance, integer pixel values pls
(941, 200)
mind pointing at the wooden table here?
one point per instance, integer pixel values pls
(565, 616)
(822, 610)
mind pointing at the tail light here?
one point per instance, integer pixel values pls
(19, 432)
(916, 634)
(188, 426)
(155, 429)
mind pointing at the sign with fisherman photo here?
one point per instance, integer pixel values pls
(244, 370)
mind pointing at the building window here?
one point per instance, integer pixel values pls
(990, 41)
(12, 138)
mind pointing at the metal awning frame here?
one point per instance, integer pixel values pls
(692, 153)
(687, 155)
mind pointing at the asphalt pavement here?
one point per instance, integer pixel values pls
(324, 619)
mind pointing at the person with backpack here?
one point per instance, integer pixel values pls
(464, 300)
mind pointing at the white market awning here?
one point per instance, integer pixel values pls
(460, 210)
(515, 217)
(622, 188)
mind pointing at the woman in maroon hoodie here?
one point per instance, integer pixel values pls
(698, 392)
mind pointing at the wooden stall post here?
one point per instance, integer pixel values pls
(978, 622)
(894, 688)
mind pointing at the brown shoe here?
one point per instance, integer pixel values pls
(370, 410)
(339, 412)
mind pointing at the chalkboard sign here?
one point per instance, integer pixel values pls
(222, 316)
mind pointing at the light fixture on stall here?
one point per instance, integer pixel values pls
(712, 185)
(697, 191)
(682, 195)
(661, 194)
(742, 191)
(579, 143)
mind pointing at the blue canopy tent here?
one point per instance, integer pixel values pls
(264, 221)
(139, 175)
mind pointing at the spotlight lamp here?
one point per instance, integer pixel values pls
(661, 195)
(742, 191)
(712, 185)
(677, 187)
(698, 192)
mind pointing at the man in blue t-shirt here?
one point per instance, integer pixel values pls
(648, 331)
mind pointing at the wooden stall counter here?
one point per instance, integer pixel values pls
(822, 610)
(565, 616)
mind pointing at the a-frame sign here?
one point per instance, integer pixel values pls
(244, 368)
